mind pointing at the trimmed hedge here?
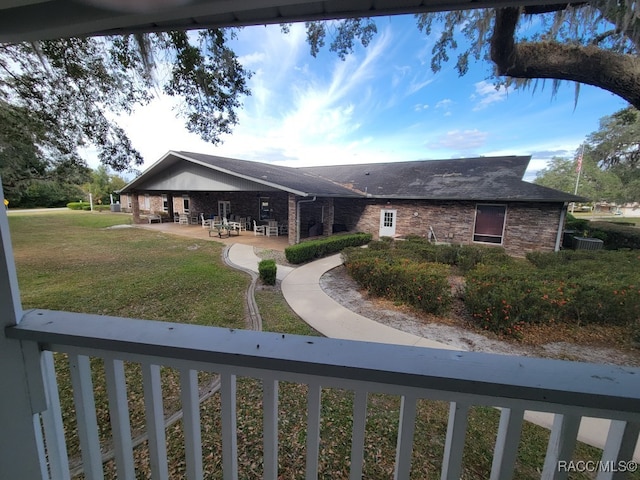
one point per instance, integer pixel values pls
(310, 250)
(419, 284)
(267, 270)
(574, 287)
(616, 236)
(464, 257)
(78, 205)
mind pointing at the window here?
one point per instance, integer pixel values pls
(185, 203)
(145, 202)
(489, 227)
(265, 210)
(388, 219)
(165, 203)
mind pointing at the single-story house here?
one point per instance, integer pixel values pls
(468, 200)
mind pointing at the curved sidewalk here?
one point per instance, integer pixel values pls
(301, 289)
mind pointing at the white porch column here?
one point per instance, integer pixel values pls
(19, 444)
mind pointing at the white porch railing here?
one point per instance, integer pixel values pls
(569, 390)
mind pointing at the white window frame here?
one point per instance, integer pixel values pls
(186, 203)
(165, 202)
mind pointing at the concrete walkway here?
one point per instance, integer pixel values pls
(301, 289)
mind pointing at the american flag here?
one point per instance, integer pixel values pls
(579, 163)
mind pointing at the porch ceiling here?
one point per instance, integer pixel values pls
(22, 20)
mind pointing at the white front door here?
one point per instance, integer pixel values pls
(387, 223)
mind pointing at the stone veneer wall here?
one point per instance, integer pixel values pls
(529, 226)
(532, 227)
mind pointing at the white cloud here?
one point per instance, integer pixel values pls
(460, 140)
(444, 104)
(417, 85)
(323, 111)
(252, 58)
(487, 94)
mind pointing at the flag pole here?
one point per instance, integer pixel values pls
(579, 170)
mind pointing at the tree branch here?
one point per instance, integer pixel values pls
(617, 73)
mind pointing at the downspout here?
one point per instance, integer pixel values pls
(563, 214)
(298, 216)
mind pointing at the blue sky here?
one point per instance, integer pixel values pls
(382, 103)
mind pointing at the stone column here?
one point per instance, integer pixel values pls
(135, 207)
(292, 219)
(329, 215)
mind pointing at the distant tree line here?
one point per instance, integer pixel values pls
(57, 189)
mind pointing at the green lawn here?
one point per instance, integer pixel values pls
(73, 262)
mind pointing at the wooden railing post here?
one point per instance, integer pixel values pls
(21, 447)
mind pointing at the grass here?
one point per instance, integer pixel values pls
(276, 314)
(72, 262)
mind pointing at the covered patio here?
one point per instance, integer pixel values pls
(197, 232)
(197, 186)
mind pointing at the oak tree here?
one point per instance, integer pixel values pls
(57, 96)
(588, 42)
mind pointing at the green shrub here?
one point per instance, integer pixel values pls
(420, 284)
(267, 270)
(379, 245)
(578, 287)
(615, 236)
(579, 224)
(77, 205)
(310, 250)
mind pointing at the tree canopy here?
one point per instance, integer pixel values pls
(610, 160)
(595, 184)
(589, 42)
(57, 96)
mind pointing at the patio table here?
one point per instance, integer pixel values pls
(225, 231)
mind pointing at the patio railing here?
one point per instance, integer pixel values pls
(514, 384)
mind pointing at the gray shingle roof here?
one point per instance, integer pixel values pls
(294, 180)
(480, 178)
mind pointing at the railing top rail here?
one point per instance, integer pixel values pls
(559, 382)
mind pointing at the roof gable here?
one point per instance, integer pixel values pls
(231, 173)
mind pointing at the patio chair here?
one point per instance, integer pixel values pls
(176, 218)
(206, 222)
(259, 229)
(272, 228)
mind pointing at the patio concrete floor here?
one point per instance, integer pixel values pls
(196, 231)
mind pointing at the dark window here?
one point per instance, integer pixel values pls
(489, 226)
(265, 210)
